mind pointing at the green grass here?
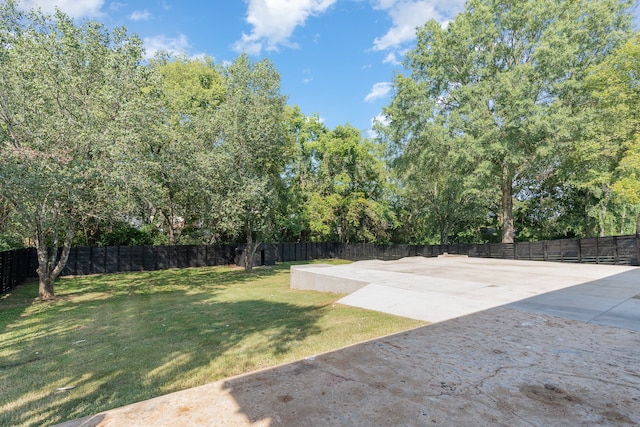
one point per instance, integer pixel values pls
(122, 338)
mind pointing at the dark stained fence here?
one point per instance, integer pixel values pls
(17, 265)
(14, 268)
(84, 260)
(616, 250)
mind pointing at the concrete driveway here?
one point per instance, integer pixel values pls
(515, 344)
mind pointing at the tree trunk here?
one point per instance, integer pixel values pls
(508, 229)
(601, 221)
(49, 265)
(444, 232)
(45, 287)
(250, 250)
(638, 224)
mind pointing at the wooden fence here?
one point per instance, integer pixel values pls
(85, 260)
(618, 250)
(16, 266)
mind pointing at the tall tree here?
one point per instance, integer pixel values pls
(499, 80)
(300, 175)
(437, 199)
(253, 144)
(178, 157)
(347, 200)
(67, 94)
(612, 159)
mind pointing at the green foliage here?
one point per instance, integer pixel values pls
(69, 101)
(253, 148)
(10, 241)
(123, 234)
(177, 160)
(337, 183)
(613, 151)
(495, 96)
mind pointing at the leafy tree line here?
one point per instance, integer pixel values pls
(519, 118)
(99, 147)
(508, 125)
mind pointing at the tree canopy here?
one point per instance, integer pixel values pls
(500, 85)
(66, 118)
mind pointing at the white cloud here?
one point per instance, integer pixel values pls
(379, 90)
(274, 21)
(380, 119)
(391, 59)
(384, 4)
(73, 8)
(407, 15)
(158, 43)
(140, 15)
(307, 76)
(116, 6)
(201, 56)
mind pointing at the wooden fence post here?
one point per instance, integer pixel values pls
(580, 250)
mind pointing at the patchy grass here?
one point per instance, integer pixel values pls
(122, 338)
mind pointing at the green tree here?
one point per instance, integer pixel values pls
(178, 158)
(499, 79)
(436, 199)
(348, 199)
(67, 94)
(611, 147)
(253, 147)
(300, 175)
(10, 235)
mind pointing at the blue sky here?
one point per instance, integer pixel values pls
(336, 58)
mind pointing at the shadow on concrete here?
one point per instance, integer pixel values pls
(552, 359)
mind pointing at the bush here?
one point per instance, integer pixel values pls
(123, 234)
(10, 241)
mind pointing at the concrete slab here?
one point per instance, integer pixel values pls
(563, 350)
(438, 289)
(621, 316)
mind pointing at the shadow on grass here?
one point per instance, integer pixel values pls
(152, 281)
(118, 339)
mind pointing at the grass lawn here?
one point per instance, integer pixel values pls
(116, 339)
